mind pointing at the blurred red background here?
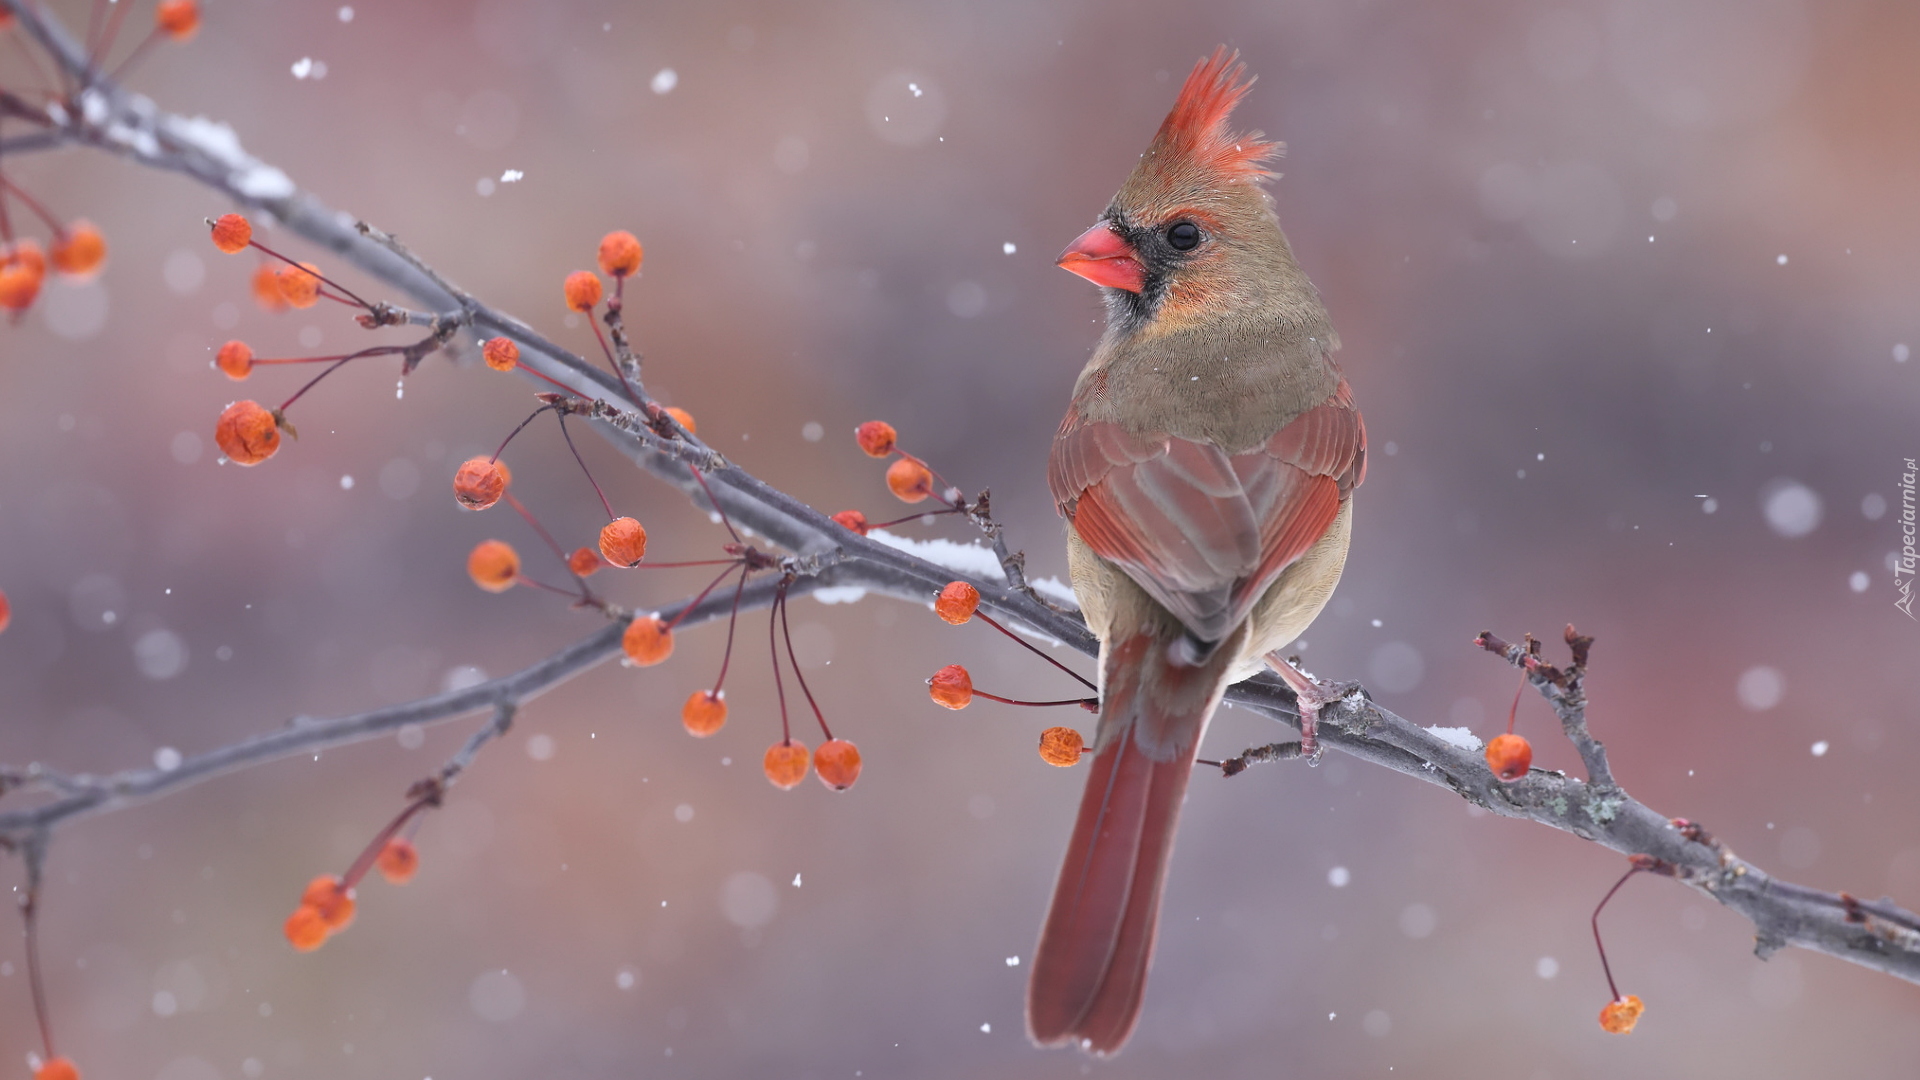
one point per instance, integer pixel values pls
(1627, 296)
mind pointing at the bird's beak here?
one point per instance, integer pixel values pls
(1101, 256)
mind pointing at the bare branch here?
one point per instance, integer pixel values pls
(104, 116)
(87, 796)
(1879, 935)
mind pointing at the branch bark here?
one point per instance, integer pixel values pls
(103, 116)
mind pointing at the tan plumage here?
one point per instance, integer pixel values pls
(1205, 467)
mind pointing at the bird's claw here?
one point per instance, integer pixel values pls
(1310, 695)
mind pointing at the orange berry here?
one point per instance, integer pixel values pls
(19, 286)
(786, 764)
(620, 254)
(236, 359)
(306, 929)
(582, 290)
(247, 433)
(6, 612)
(624, 542)
(178, 19)
(951, 686)
(1061, 746)
(1621, 1014)
(398, 860)
(909, 480)
(1509, 756)
(837, 763)
(79, 250)
(584, 561)
(334, 901)
(299, 285)
(704, 713)
(232, 233)
(683, 417)
(58, 1068)
(266, 288)
(479, 483)
(23, 267)
(501, 354)
(876, 437)
(957, 602)
(647, 640)
(853, 519)
(494, 565)
(26, 251)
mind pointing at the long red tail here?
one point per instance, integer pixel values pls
(1090, 968)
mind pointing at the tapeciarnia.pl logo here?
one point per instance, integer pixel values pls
(1904, 563)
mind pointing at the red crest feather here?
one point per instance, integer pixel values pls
(1196, 132)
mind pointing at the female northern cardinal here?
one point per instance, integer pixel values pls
(1205, 469)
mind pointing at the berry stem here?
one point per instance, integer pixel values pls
(375, 350)
(1514, 712)
(557, 590)
(570, 391)
(133, 57)
(324, 279)
(1606, 968)
(715, 503)
(703, 595)
(611, 363)
(915, 517)
(780, 688)
(780, 605)
(733, 617)
(1030, 647)
(313, 382)
(565, 434)
(325, 295)
(110, 31)
(552, 544)
(977, 692)
(692, 562)
(98, 8)
(20, 46)
(30, 920)
(364, 863)
(33, 204)
(535, 415)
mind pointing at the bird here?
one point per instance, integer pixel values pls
(1205, 467)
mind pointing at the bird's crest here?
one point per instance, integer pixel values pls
(1195, 134)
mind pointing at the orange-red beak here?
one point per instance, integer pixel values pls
(1102, 257)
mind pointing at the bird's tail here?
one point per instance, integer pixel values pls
(1090, 969)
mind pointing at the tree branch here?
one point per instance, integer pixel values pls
(83, 796)
(1880, 935)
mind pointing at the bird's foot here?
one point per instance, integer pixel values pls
(1310, 695)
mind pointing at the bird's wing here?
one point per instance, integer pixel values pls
(1202, 531)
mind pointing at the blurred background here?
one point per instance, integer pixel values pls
(1627, 293)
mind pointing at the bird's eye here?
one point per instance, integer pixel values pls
(1184, 236)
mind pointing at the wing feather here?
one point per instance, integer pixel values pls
(1202, 531)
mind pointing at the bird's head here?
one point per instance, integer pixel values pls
(1191, 229)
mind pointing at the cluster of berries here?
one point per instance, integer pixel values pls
(74, 249)
(952, 686)
(909, 478)
(327, 905)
